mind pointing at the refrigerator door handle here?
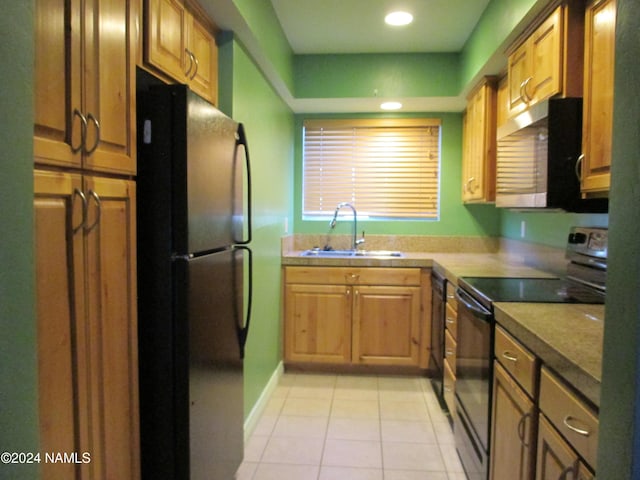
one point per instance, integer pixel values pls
(242, 140)
(243, 329)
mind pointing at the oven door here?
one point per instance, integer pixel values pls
(473, 384)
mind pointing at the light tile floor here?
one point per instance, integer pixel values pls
(347, 427)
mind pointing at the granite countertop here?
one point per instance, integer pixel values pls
(566, 337)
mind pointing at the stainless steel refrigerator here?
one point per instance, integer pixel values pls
(194, 195)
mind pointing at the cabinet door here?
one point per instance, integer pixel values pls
(166, 37)
(57, 129)
(318, 323)
(513, 429)
(109, 86)
(535, 67)
(555, 458)
(59, 262)
(598, 97)
(110, 246)
(480, 145)
(386, 322)
(203, 78)
(546, 59)
(519, 66)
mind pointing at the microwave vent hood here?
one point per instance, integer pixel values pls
(537, 153)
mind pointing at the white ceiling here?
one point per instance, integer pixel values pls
(357, 26)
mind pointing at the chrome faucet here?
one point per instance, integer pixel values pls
(332, 224)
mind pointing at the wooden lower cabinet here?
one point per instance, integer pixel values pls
(514, 428)
(318, 323)
(352, 321)
(556, 459)
(87, 329)
(386, 328)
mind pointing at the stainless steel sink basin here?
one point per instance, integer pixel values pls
(351, 253)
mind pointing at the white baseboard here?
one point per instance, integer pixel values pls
(256, 412)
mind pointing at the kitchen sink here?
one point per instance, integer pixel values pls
(314, 252)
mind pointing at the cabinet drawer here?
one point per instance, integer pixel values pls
(518, 361)
(451, 321)
(450, 350)
(449, 387)
(353, 276)
(451, 296)
(570, 416)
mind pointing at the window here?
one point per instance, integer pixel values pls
(386, 168)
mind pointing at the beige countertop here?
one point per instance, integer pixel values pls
(566, 337)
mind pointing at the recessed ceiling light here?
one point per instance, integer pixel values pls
(391, 106)
(399, 18)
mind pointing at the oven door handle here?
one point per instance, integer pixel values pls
(476, 309)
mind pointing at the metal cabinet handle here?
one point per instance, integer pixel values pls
(83, 197)
(96, 199)
(578, 167)
(579, 431)
(450, 321)
(523, 90)
(83, 130)
(467, 185)
(91, 117)
(566, 471)
(195, 72)
(521, 429)
(449, 352)
(191, 57)
(507, 355)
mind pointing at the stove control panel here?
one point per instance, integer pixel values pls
(589, 241)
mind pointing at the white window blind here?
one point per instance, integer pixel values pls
(387, 168)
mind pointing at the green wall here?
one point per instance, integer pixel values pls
(389, 75)
(455, 218)
(18, 365)
(498, 20)
(619, 438)
(264, 25)
(547, 228)
(269, 127)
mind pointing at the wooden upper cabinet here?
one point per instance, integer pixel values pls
(180, 42)
(204, 75)
(57, 86)
(166, 36)
(502, 101)
(479, 144)
(535, 68)
(84, 85)
(549, 61)
(598, 97)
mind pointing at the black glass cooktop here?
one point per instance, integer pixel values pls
(542, 290)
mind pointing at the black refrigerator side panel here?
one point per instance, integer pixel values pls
(216, 414)
(207, 174)
(155, 299)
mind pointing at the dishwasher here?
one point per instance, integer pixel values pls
(436, 359)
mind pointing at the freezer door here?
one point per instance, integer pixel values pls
(211, 318)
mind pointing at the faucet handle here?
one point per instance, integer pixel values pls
(360, 241)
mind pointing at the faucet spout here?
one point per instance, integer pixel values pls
(355, 242)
